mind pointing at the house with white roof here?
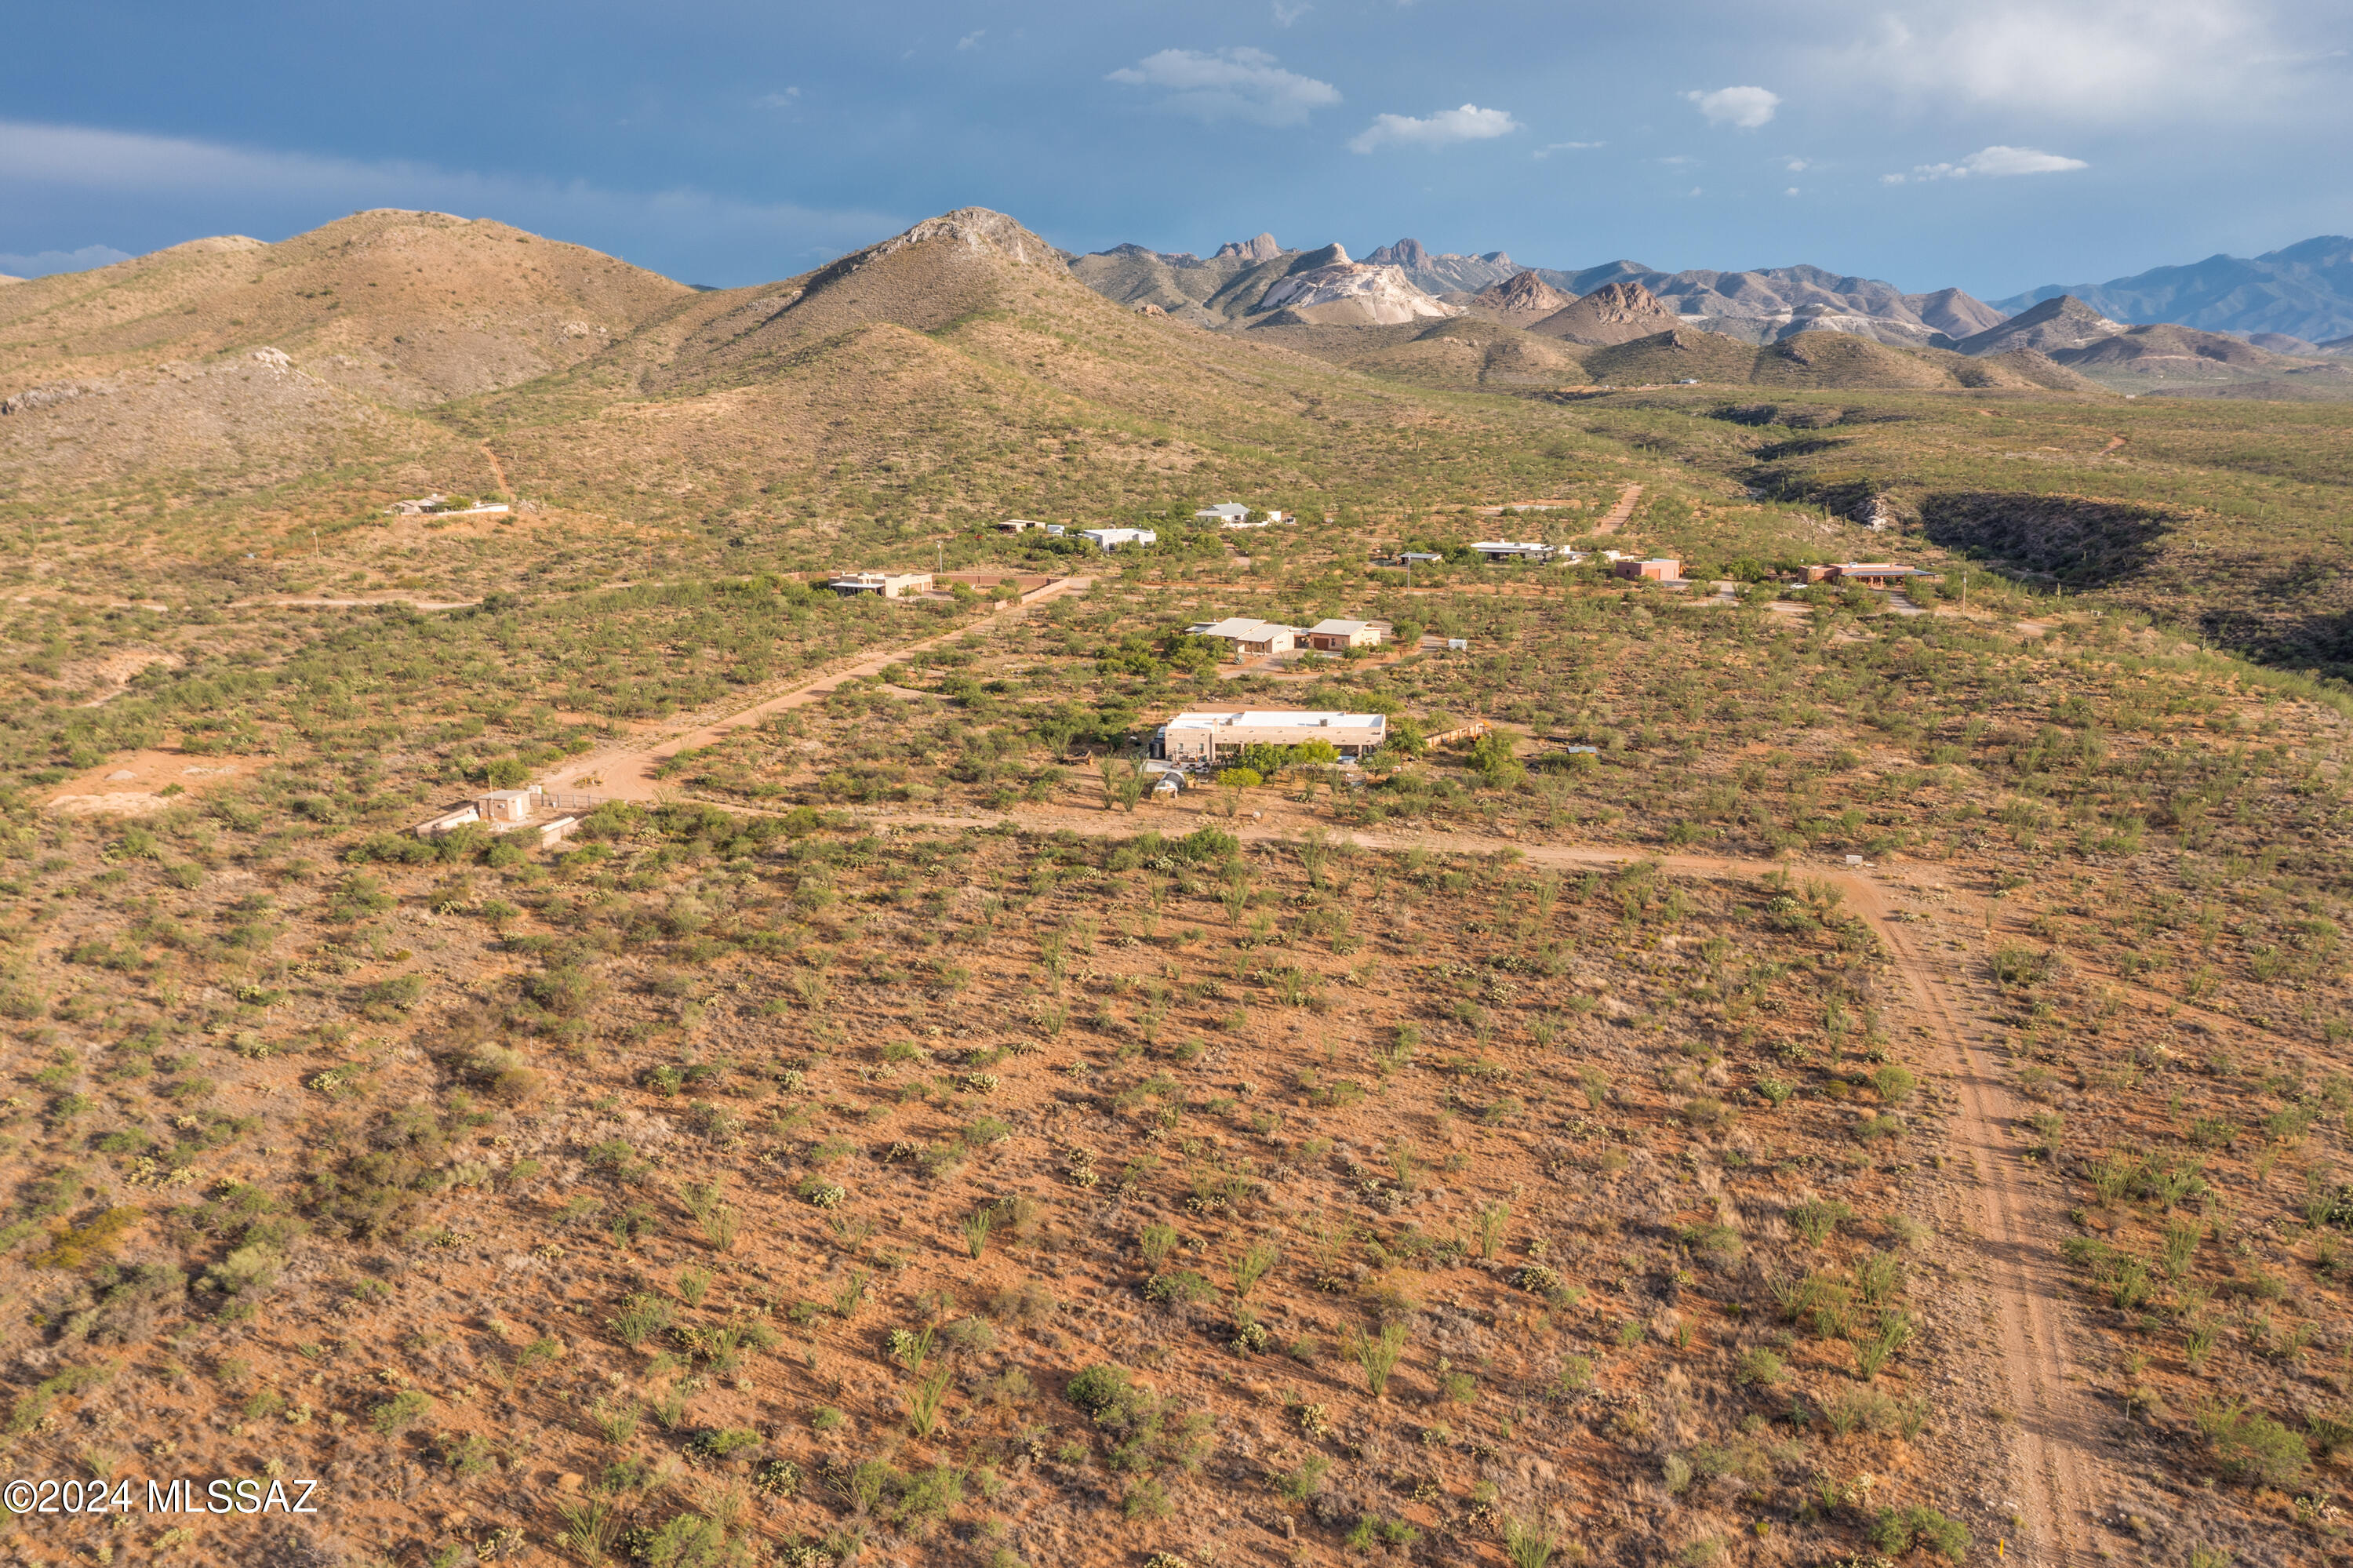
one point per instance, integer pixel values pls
(1514, 550)
(1330, 636)
(1204, 740)
(1225, 515)
(1112, 538)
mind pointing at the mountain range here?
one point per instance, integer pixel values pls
(2289, 300)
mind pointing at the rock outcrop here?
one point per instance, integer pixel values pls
(1341, 292)
(1262, 249)
(1613, 314)
(1521, 298)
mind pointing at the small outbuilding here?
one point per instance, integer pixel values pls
(1114, 538)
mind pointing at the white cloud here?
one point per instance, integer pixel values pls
(41, 263)
(1229, 84)
(970, 41)
(1448, 126)
(1549, 148)
(233, 184)
(1797, 166)
(1286, 15)
(789, 99)
(1743, 108)
(1791, 191)
(1991, 163)
(2086, 60)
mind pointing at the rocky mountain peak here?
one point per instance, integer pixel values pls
(1262, 249)
(1522, 294)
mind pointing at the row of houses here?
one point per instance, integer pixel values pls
(1666, 568)
(1248, 638)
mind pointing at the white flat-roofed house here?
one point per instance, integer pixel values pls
(1112, 538)
(1330, 636)
(1017, 525)
(1202, 740)
(1514, 550)
(1248, 637)
(890, 584)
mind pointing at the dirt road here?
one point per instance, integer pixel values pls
(1619, 514)
(626, 771)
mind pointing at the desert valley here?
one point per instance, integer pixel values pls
(994, 906)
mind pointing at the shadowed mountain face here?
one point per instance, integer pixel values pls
(2304, 291)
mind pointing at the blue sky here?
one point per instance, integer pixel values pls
(1994, 145)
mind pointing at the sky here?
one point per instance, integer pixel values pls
(1994, 145)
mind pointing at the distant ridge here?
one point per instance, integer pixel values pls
(2301, 291)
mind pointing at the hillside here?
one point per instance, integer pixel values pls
(2050, 327)
(404, 309)
(2302, 291)
(1612, 313)
(1521, 299)
(1468, 352)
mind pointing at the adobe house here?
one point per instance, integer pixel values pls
(1338, 636)
(1203, 739)
(1246, 636)
(1660, 570)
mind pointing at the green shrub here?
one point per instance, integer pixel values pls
(2252, 1446)
(401, 1412)
(1898, 1530)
